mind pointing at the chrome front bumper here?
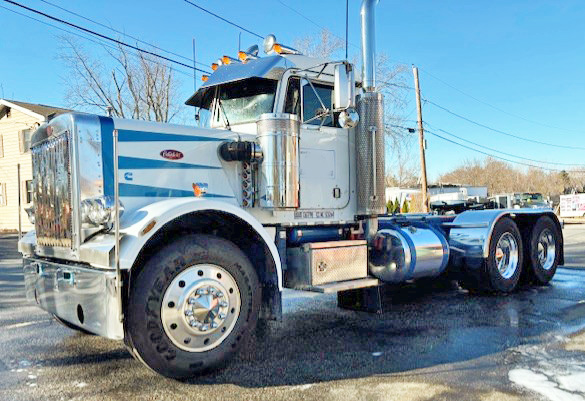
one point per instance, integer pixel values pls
(83, 296)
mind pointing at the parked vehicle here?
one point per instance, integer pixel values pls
(176, 239)
(520, 201)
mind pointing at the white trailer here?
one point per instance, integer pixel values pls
(177, 239)
(572, 205)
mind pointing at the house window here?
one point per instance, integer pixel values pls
(2, 194)
(28, 188)
(24, 137)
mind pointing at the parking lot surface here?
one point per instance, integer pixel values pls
(434, 343)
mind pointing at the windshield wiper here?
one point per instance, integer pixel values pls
(227, 122)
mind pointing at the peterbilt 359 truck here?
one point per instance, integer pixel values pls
(177, 239)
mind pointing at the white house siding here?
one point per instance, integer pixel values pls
(10, 157)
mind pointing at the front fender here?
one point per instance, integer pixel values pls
(160, 213)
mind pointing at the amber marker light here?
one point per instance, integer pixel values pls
(204, 78)
(242, 56)
(226, 60)
(277, 48)
(214, 66)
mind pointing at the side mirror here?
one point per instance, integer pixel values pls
(344, 90)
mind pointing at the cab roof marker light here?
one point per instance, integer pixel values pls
(243, 56)
(282, 49)
(229, 60)
(204, 78)
(214, 66)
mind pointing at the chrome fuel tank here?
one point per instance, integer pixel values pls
(401, 253)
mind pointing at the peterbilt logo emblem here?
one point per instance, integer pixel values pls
(171, 154)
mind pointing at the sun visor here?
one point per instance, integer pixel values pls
(271, 67)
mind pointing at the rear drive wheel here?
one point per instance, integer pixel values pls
(192, 306)
(544, 251)
(502, 269)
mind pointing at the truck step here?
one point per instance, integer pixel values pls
(341, 285)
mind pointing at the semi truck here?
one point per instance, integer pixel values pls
(176, 240)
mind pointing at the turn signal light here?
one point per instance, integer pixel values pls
(277, 48)
(204, 78)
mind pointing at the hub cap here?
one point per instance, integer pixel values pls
(546, 249)
(200, 307)
(507, 255)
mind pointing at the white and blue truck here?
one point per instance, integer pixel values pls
(177, 239)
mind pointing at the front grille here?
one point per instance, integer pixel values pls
(52, 192)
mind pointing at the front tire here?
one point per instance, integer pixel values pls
(192, 306)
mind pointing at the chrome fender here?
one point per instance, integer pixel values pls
(160, 213)
(471, 231)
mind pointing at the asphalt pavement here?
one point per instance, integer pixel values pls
(433, 343)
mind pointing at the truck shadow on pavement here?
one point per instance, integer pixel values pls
(424, 327)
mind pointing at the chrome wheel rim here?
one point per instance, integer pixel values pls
(507, 255)
(547, 249)
(200, 307)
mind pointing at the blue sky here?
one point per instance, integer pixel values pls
(524, 57)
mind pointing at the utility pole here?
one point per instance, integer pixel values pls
(421, 142)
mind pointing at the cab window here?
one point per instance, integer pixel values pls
(311, 106)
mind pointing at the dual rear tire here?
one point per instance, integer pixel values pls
(513, 257)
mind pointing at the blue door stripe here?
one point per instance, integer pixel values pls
(132, 190)
(128, 163)
(107, 131)
(144, 136)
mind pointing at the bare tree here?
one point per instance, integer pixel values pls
(323, 46)
(130, 85)
(502, 177)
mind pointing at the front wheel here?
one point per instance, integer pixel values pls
(192, 306)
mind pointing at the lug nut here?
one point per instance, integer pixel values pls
(204, 327)
(214, 325)
(194, 323)
(221, 316)
(188, 312)
(192, 301)
(223, 304)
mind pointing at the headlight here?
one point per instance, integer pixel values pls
(99, 211)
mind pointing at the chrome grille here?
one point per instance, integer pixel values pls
(52, 192)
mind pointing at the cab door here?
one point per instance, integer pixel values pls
(324, 147)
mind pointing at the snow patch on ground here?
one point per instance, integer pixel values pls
(542, 384)
(550, 372)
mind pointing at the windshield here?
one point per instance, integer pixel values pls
(244, 101)
(531, 198)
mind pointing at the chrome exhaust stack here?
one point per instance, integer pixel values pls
(369, 141)
(368, 19)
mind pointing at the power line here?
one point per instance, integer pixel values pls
(494, 107)
(118, 31)
(102, 35)
(96, 41)
(495, 156)
(223, 19)
(500, 151)
(502, 132)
